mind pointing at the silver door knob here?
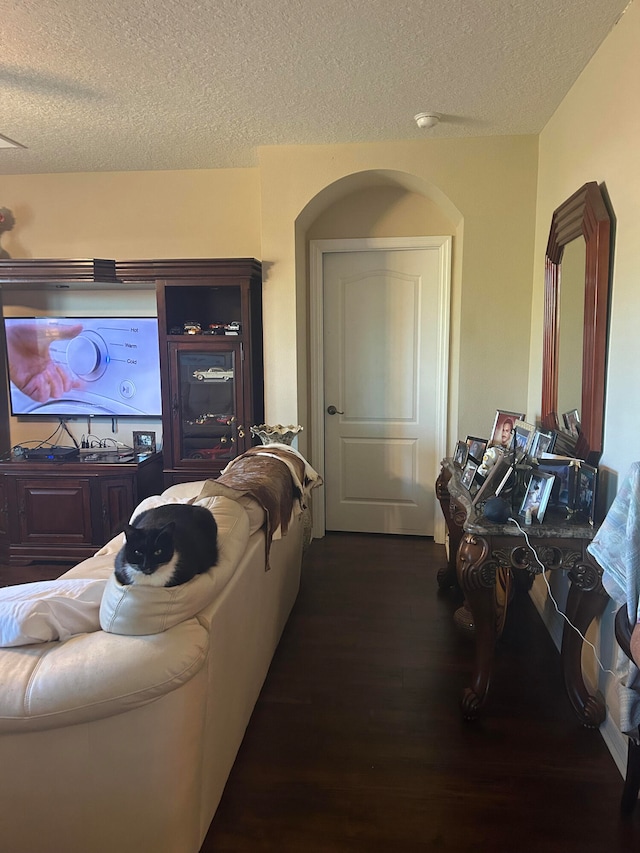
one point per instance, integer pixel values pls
(331, 410)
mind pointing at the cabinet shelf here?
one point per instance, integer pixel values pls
(212, 383)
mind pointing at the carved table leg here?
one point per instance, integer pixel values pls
(486, 591)
(586, 601)
(454, 519)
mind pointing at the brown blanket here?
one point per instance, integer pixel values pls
(276, 478)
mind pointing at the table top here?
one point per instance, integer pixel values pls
(554, 526)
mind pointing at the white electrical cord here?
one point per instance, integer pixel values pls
(555, 603)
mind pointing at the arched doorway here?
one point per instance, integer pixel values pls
(393, 453)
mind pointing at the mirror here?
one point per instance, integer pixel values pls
(571, 322)
(576, 315)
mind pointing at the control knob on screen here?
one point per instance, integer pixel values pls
(87, 355)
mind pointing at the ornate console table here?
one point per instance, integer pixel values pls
(489, 556)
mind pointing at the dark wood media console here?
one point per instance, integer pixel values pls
(67, 510)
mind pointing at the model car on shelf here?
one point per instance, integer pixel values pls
(192, 329)
(213, 374)
(215, 329)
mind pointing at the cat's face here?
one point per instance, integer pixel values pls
(149, 555)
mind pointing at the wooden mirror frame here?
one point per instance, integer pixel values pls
(584, 213)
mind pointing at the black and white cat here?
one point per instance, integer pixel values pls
(168, 545)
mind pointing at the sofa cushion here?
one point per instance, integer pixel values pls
(93, 676)
(138, 609)
(49, 610)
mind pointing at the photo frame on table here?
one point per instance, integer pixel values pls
(461, 453)
(542, 442)
(469, 473)
(144, 442)
(495, 480)
(582, 498)
(572, 422)
(503, 430)
(564, 443)
(524, 435)
(477, 447)
(537, 496)
(562, 470)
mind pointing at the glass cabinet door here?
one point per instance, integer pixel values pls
(205, 401)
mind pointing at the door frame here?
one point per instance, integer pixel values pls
(317, 250)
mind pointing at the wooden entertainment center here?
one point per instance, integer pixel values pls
(210, 343)
(68, 510)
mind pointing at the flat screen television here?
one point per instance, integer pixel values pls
(67, 366)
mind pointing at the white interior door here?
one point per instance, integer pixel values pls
(385, 342)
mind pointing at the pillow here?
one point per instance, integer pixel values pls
(49, 610)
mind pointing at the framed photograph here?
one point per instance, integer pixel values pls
(524, 434)
(469, 473)
(564, 443)
(536, 497)
(495, 480)
(572, 422)
(562, 470)
(504, 426)
(477, 447)
(542, 443)
(144, 442)
(461, 454)
(582, 497)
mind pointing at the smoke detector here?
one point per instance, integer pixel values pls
(426, 121)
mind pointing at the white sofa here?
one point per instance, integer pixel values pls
(123, 742)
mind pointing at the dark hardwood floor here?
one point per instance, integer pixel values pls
(356, 743)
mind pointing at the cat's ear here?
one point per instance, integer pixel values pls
(129, 530)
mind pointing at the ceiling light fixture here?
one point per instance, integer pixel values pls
(426, 121)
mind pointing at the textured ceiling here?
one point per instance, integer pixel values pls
(201, 84)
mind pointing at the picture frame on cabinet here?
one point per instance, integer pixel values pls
(144, 442)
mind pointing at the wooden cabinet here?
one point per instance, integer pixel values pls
(212, 378)
(68, 510)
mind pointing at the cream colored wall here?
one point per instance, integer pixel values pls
(593, 136)
(381, 212)
(189, 214)
(489, 185)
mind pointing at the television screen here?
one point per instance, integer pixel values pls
(83, 366)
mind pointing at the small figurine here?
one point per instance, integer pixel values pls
(491, 456)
